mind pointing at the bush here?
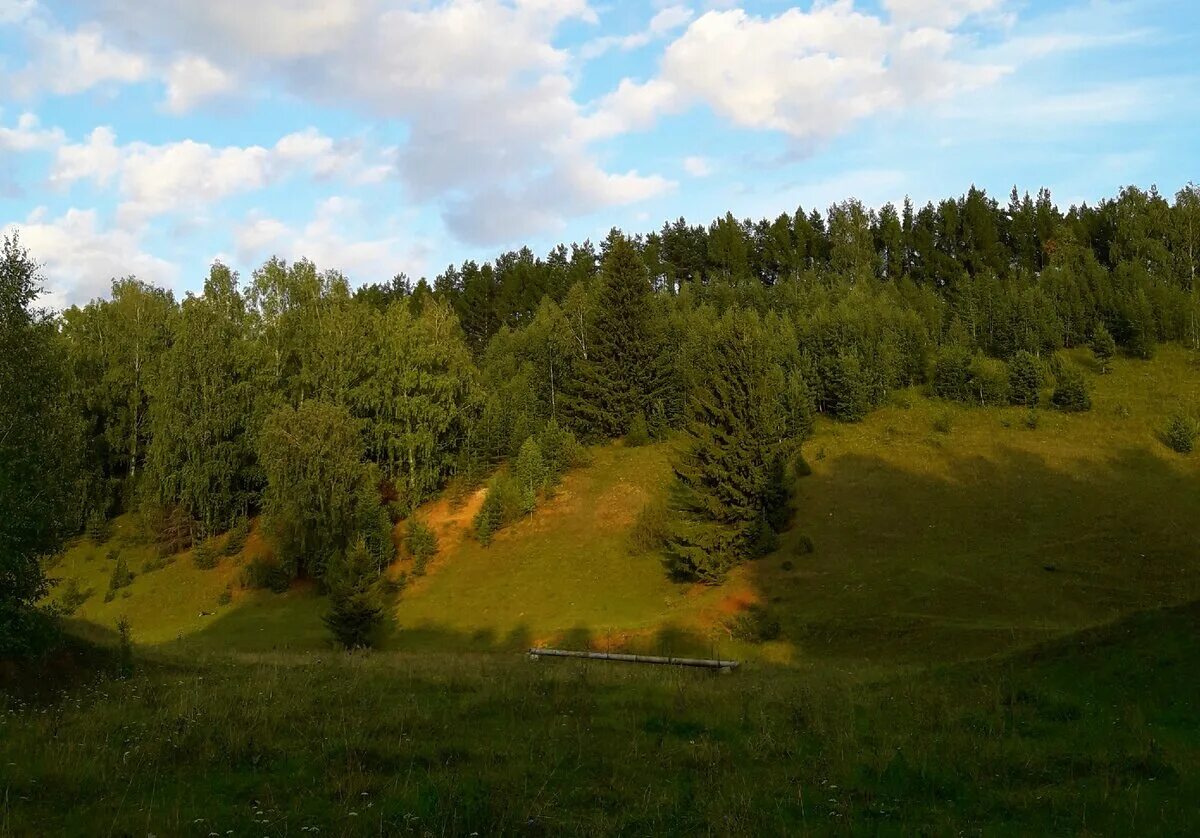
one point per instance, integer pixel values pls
(1070, 391)
(1032, 419)
(156, 564)
(72, 596)
(98, 528)
(952, 373)
(121, 577)
(501, 506)
(530, 473)
(422, 544)
(235, 541)
(225, 597)
(762, 539)
(805, 545)
(1024, 379)
(942, 423)
(756, 624)
(1103, 347)
(355, 598)
(266, 574)
(1180, 433)
(125, 649)
(989, 380)
(652, 526)
(560, 450)
(204, 557)
(639, 432)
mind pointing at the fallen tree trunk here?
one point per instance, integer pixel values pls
(703, 663)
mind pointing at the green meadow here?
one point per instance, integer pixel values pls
(994, 631)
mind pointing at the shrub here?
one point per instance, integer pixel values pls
(235, 541)
(225, 597)
(155, 564)
(72, 596)
(788, 565)
(501, 506)
(952, 373)
(1032, 419)
(560, 450)
(639, 432)
(989, 380)
(266, 574)
(1070, 391)
(125, 649)
(530, 473)
(1180, 433)
(1103, 347)
(652, 526)
(756, 624)
(761, 539)
(1024, 379)
(422, 544)
(942, 423)
(121, 577)
(805, 545)
(98, 528)
(204, 557)
(355, 598)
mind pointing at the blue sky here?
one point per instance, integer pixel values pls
(379, 136)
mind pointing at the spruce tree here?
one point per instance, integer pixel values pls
(355, 597)
(1025, 380)
(724, 488)
(1103, 347)
(626, 370)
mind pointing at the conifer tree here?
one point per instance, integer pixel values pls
(355, 597)
(723, 488)
(1103, 347)
(626, 370)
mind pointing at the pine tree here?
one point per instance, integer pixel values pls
(355, 597)
(1103, 347)
(1025, 380)
(723, 480)
(626, 370)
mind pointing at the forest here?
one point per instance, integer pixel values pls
(332, 412)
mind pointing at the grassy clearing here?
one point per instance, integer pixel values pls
(1096, 733)
(930, 545)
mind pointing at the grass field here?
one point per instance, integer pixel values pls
(996, 632)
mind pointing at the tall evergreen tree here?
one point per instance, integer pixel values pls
(626, 369)
(723, 490)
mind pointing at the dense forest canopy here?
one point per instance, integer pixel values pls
(334, 411)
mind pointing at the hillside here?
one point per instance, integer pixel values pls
(930, 544)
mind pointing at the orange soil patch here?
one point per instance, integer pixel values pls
(449, 521)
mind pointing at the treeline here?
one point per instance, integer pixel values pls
(336, 411)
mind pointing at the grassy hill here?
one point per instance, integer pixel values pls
(995, 631)
(941, 532)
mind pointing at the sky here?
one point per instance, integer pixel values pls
(148, 138)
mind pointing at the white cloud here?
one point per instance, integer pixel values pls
(663, 23)
(187, 176)
(697, 166)
(65, 63)
(945, 14)
(808, 74)
(28, 135)
(80, 259)
(324, 241)
(192, 79)
(16, 11)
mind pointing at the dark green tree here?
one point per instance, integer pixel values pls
(1103, 347)
(723, 488)
(356, 601)
(626, 367)
(1025, 379)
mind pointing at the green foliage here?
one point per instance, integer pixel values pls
(122, 577)
(799, 406)
(529, 471)
(559, 449)
(1025, 379)
(39, 452)
(422, 544)
(851, 386)
(225, 597)
(321, 496)
(124, 649)
(503, 504)
(266, 574)
(990, 380)
(355, 597)
(952, 373)
(1071, 391)
(652, 527)
(755, 624)
(204, 556)
(1104, 347)
(71, 596)
(97, 528)
(639, 432)
(235, 540)
(1180, 433)
(1032, 419)
(942, 423)
(725, 479)
(626, 368)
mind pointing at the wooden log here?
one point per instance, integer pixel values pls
(704, 663)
